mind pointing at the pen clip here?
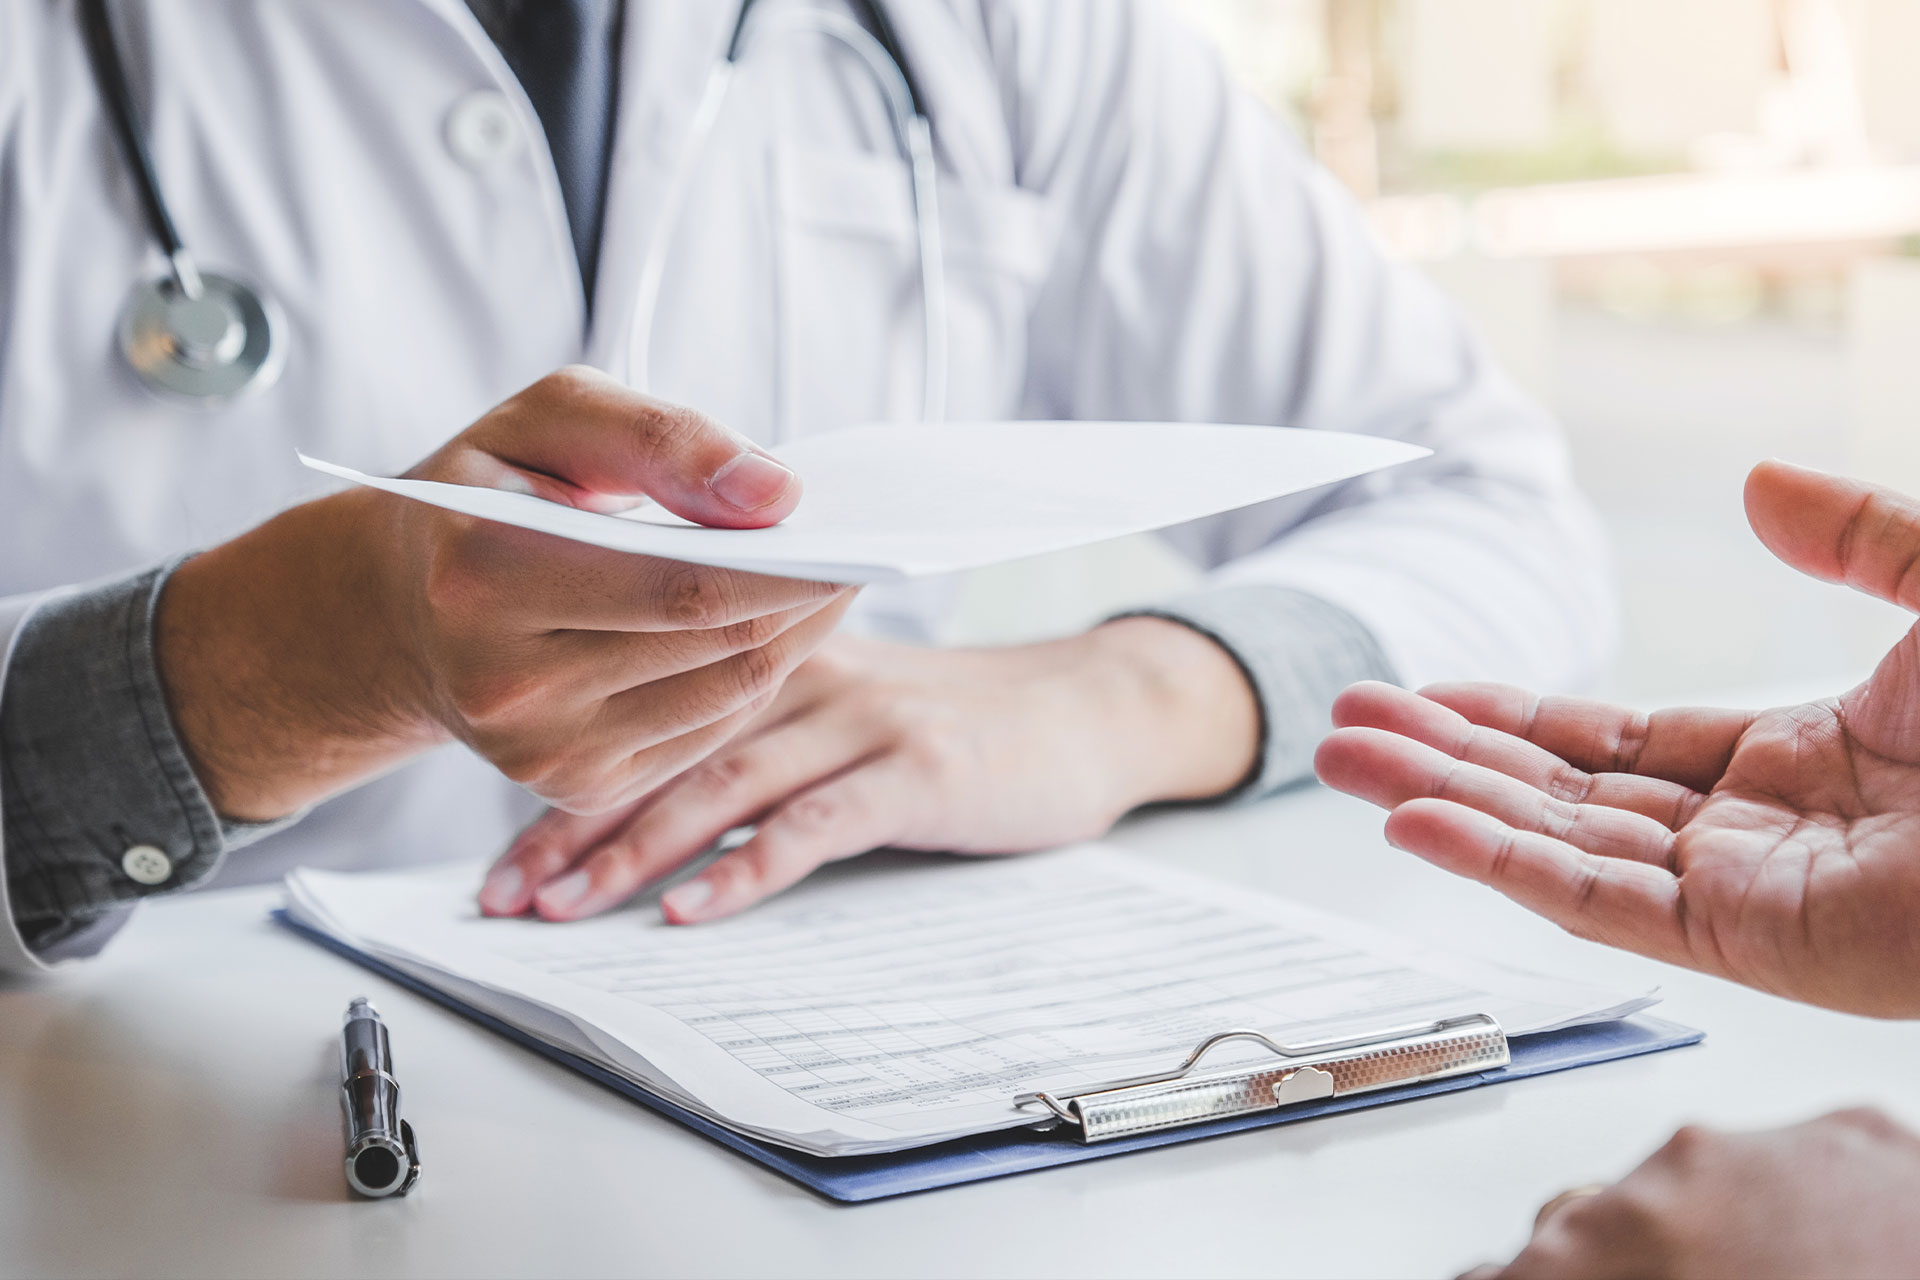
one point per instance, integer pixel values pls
(413, 1158)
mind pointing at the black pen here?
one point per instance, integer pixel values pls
(382, 1159)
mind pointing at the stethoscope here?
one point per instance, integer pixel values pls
(205, 338)
(191, 334)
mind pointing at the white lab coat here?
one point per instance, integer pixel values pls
(1127, 237)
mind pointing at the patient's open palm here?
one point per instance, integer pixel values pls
(1779, 848)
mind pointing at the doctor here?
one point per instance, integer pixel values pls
(822, 213)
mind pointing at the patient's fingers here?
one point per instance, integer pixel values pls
(1623, 904)
(1383, 706)
(1838, 530)
(1687, 745)
(1390, 770)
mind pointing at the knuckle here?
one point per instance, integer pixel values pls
(580, 790)
(660, 432)
(567, 381)
(675, 426)
(718, 776)
(744, 869)
(493, 695)
(694, 598)
(1553, 1253)
(812, 813)
(1557, 818)
(758, 674)
(453, 582)
(541, 849)
(935, 758)
(1621, 1214)
(600, 797)
(572, 781)
(1689, 1143)
(1500, 866)
(1560, 1249)
(1568, 785)
(535, 768)
(753, 633)
(619, 861)
(1579, 1220)
(1871, 1121)
(934, 745)
(648, 773)
(1632, 742)
(902, 715)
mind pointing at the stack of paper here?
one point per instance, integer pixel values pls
(886, 502)
(902, 1001)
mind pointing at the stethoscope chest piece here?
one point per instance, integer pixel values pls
(207, 349)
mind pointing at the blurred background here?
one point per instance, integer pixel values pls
(1690, 227)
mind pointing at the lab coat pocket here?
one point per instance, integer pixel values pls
(853, 332)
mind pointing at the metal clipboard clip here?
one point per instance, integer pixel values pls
(1321, 1069)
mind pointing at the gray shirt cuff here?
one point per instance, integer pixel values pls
(90, 768)
(1298, 651)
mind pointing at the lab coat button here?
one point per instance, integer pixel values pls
(481, 129)
(146, 864)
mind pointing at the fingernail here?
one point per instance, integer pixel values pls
(751, 481)
(501, 892)
(563, 893)
(683, 902)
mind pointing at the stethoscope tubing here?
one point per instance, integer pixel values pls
(110, 76)
(261, 354)
(880, 52)
(197, 338)
(883, 34)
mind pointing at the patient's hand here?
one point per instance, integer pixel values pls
(1830, 1198)
(1777, 848)
(873, 744)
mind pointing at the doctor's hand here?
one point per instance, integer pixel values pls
(874, 744)
(349, 633)
(1832, 1198)
(1778, 848)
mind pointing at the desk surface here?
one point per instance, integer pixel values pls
(171, 1109)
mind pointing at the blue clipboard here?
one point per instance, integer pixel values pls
(852, 1179)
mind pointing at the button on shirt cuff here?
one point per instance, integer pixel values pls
(1297, 651)
(101, 807)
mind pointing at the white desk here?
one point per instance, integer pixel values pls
(171, 1110)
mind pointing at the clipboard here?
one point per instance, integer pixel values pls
(1185, 1104)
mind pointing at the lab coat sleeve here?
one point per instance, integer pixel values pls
(90, 767)
(1211, 271)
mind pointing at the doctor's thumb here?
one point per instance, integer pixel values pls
(606, 442)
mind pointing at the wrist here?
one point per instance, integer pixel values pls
(1182, 720)
(280, 664)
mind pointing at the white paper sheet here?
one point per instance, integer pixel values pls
(906, 1001)
(888, 502)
